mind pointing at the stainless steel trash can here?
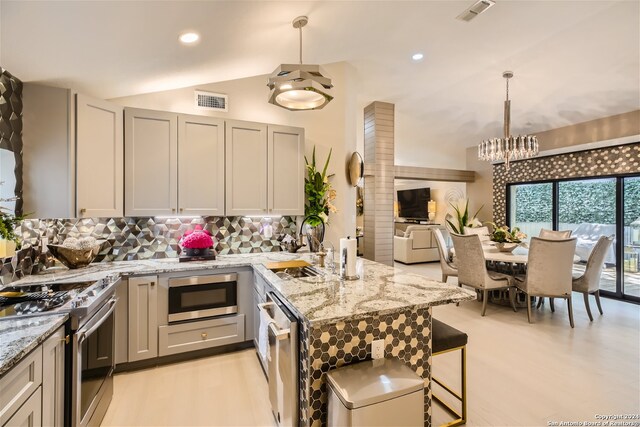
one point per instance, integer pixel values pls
(381, 392)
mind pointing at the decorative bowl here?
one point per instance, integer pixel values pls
(506, 246)
(74, 258)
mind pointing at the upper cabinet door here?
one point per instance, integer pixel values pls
(286, 170)
(200, 166)
(246, 169)
(151, 162)
(99, 158)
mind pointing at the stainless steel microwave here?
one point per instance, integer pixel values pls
(198, 297)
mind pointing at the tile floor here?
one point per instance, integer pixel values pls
(519, 374)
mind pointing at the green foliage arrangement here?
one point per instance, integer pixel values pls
(318, 191)
(8, 223)
(462, 218)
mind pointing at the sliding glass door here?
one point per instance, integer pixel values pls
(587, 207)
(631, 230)
(531, 207)
(590, 208)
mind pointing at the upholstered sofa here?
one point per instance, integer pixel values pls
(416, 244)
(588, 235)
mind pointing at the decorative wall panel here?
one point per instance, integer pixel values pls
(406, 335)
(141, 238)
(622, 159)
(11, 126)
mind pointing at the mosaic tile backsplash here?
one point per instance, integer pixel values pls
(128, 239)
(622, 159)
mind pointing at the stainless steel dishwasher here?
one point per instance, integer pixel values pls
(282, 361)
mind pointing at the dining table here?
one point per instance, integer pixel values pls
(519, 255)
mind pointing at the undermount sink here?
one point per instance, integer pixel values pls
(297, 272)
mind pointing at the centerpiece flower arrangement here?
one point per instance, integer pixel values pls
(506, 240)
(318, 192)
(197, 242)
(462, 217)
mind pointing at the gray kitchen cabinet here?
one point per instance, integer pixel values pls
(286, 170)
(18, 385)
(246, 168)
(174, 164)
(29, 414)
(151, 162)
(72, 155)
(143, 318)
(200, 165)
(99, 158)
(270, 181)
(53, 353)
(190, 336)
(122, 323)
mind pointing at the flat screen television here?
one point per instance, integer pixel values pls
(412, 204)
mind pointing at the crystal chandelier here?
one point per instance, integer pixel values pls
(509, 147)
(300, 86)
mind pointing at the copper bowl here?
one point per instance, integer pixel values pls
(74, 258)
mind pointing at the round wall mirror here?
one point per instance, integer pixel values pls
(356, 169)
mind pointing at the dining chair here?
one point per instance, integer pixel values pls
(482, 232)
(554, 235)
(589, 281)
(549, 272)
(472, 269)
(448, 267)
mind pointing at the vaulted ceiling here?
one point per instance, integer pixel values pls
(573, 60)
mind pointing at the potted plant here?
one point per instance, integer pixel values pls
(506, 240)
(462, 217)
(9, 241)
(319, 195)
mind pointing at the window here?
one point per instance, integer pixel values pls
(590, 208)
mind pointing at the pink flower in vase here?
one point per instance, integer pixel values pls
(197, 241)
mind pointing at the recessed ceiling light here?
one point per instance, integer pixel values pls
(189, 38)
(417, 56)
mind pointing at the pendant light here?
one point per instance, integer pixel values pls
(299, 87)
(509, 147)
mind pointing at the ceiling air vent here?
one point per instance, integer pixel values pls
(211, 101)
(476, 9)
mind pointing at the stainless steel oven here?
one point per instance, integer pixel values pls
(198, 297)
(93, 362)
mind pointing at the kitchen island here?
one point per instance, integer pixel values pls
(338, 319)
(341, 319)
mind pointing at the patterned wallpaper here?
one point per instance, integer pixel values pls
(141, 238)
(622, 159)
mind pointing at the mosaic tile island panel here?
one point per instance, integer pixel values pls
(128, 239)
(406, 335)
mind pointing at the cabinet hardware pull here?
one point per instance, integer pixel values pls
(83, 211)
(181, 209)
(173, 210)
(65, 339)
(153, 283)
(204, 335)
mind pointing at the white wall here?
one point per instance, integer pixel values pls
(439, 190)
(333, 127)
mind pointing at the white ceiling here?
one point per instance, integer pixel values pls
(573, 60)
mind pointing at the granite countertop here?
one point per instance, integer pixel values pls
(20, 335)
(381, 289)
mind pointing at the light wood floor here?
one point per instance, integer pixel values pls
(519, 374)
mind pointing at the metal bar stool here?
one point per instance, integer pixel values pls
(444, 339)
